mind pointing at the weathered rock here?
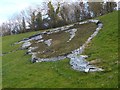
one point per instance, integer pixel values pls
(34, 58)
(84, 56)
(48, 42)
(38, 37)
(50, 59)
(30, 50)
(26, 45)
(94, 21)
(40, 41)
(68, 26)
(83, 22)
(72, 34)
(79, 63)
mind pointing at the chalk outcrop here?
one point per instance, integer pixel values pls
(72, 34)
(77, 61)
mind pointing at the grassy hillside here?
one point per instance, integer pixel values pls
(18, 72)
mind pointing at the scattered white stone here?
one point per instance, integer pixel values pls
(62, 28)
(68, 26)
(94, 21)
(87, 70)
(48, 42)
(34, 58)
(40, 41)
(30, 49)
(51, 59)
(72, 34)
(49, 33)
(79, 63)
(100, 25)
(83, 22)
(26, 45)
(56, 31)
(38, 37)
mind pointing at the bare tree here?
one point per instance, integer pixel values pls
(96, 8)
(110, 6)
(77, 11)
(5, 29)
(53, 14)
(39, 20)
(23, 25)
(64, 12)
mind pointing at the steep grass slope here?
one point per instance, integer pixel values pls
(18, 72)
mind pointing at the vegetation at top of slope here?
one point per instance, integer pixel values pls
(55, 15)
(18, 72)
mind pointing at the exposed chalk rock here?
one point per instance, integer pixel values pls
(72, 34)
(84, 56)
(30, 50)
(83, 22)
(94, 21)
(26, 45)
(79, 63)
(38, 37)
(39, 41)
(48, 42)
(68, 26)
(34, 58)
(50, 59)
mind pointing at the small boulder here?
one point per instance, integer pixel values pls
(26, 45)
(48, 42)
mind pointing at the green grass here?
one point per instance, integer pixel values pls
(18, 72)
